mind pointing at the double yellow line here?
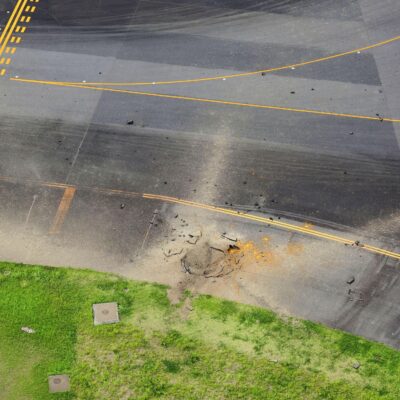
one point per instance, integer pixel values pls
(283, 225)
(11, 26)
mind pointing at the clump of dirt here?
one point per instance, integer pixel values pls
(211, 262)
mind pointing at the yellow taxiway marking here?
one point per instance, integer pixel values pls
(63, 209)
(212, 101)
(9, 22)
(2, 72)
(10, 30)
(244, 74)
(12, 27)
(69, 192)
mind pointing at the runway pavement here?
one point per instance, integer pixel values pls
(276, 109)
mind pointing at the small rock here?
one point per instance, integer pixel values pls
(130, 122)
(356, 365)
(351, 280)
(27, 330)
(122, 206)
(262, 73)
(293, 92)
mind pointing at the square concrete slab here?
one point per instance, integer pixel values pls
(59, 383)
(105, 313)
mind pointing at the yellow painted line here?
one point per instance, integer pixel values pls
(28, 19)
(12, 27)
(18, 40)
(283, 225)
(212, 101)
(28, 9)
(2, 60)
(2, 72)
(244, 74)
(69, 192)
(17, 29)
(12, 39)
(23, 29)
(23, 18)
(63, 209)
(13, 50)
(33, 9)
(9, 22)
(8, 61)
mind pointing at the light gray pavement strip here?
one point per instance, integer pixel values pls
(340, 174)
(302, 276)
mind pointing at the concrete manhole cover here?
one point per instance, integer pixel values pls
(105, 313)
(59, 383)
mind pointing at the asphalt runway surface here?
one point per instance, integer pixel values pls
(310, 143)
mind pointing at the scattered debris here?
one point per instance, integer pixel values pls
(217, 249)
(172, 252)
(355, 295)
(193, 239)
(195, 234)
(233, 247)
(27, 330)
(351, 280)
(228, 238)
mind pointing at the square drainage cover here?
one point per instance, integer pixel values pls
(105, 313)
(58, 383)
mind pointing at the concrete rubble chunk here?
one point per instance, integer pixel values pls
(351, 280)
(172, 251)
(59, 383)
(105, 313)
(27, 330)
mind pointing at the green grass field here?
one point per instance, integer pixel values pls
(220, 350)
